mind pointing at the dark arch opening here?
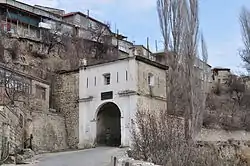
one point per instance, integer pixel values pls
(108, 125)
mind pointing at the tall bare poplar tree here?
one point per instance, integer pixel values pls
(158, 136)
(180, 25)
(245, 30)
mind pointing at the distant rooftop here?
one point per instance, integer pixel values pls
(221, 69)
(50, 9)
(84, 15)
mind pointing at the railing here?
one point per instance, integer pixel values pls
(31, 9)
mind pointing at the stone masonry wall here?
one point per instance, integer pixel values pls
(158, 89)
(126, 161)
(49, 132)
(151, 98)
(12, 128)
(222, 135)
(66, 95)
(150, 104)
(30, 58)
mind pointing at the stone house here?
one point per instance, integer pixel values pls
(220, 77)
(203, 72)
(202, 69)
(23, 20)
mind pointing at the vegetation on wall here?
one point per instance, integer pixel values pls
(229, 109)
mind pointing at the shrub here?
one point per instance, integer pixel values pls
(159, 138)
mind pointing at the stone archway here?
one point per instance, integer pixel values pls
(108, 125)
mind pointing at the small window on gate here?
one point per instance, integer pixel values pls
(107, 78)
(117, 77)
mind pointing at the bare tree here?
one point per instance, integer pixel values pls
(245, 30)
(179, 24)
(54, 38)
(101, 38)
(160, 137)
(236, 88)
(172, 26)
(95, 47)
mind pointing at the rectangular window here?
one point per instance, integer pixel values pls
(95, 81)
(117, 77)
(40, 92)
(126, 75)
(27, 88)
(158, 82)
(87, 82)
(150, 79)
(107, 78)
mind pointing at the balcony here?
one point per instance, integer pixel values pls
(31, 9)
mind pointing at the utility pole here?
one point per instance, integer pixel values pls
(117, 38)
(88, 13)
(156, 46)
(148, 46)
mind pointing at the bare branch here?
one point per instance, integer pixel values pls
(245, 31)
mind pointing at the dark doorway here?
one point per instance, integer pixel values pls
(109, 125)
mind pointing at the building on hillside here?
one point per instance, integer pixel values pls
(90, 28)
(25, 21)
(202, 69)
(143, 51)
(52, 10)
(111, 93)
(220, 75)
(86, 25)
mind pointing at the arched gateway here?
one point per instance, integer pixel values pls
(108, 125)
